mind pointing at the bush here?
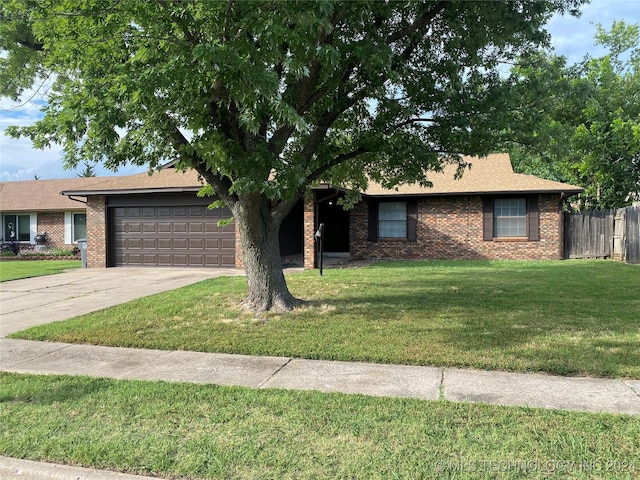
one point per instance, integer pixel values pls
(49, 252)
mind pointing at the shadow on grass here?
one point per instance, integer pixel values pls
(48, 390)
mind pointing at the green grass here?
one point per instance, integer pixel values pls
(565, 317)
(205, 431)
(17, 269)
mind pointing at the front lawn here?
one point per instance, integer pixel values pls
(205, 431)
(16, 269)
(562, 317)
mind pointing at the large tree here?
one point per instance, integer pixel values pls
(264, 98)
(583, 120)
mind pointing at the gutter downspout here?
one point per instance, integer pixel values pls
(75, 199)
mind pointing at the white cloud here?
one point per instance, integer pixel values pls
(573, 37)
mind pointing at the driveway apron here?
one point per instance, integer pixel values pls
(35, 301)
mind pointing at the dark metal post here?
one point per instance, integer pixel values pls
(318, 237)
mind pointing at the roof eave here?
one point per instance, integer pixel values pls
(565, 193)
(129, 191)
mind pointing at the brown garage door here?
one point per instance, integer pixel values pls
(171, 235)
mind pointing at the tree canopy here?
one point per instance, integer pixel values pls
(264, 98)
(584, 119)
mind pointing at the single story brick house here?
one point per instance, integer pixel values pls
(30, 208)
(490, 213)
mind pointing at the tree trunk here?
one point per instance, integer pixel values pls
(260, 243)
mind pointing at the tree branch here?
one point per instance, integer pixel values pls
(409, 121)
(187, 33)
(227, 18)
(344, 157)
(418, 24)
(218, 182)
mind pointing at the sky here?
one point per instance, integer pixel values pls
(571, 37)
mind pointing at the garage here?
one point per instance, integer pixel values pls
(168, 230)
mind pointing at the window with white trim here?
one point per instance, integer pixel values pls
(510, 217)
(75, 226)
(79, 226)
(17, 227)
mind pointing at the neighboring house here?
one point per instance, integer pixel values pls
(29, 208)
(490, 213)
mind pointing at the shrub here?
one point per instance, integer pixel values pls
(49, 252)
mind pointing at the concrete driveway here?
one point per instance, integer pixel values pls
(35, 301)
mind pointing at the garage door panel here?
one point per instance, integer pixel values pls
(165, 260)
(195, 212)
(196, 244)
(133, 227)
(134, 258)
(180, 243)
(183, 235)
(228, 261)
(180, 260)
(180, 227)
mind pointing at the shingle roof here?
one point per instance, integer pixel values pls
(492, 174)
(166, 180)
(42, 195)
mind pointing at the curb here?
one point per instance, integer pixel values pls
(18, 469)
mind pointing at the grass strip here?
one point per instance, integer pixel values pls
(568, 317)
(204, 431)
(17, 269)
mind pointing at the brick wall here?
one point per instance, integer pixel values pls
(309, 232)
(96, 232)
(451, 228)
(53, 224)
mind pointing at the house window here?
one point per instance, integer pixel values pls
(392, 220)
(505, 218)
(17, 228)
(79, 226)
(75, 226)
(510, 217)
(397, 219)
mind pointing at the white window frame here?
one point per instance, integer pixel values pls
(519, 220)
(69, 232)
(33, 225)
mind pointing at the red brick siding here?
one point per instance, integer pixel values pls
(53, 224)
(96, 232)
(309, 232)
(451, 228)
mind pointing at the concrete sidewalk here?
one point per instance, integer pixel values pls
(427, 383)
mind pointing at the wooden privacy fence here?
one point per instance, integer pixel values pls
(603, 234)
